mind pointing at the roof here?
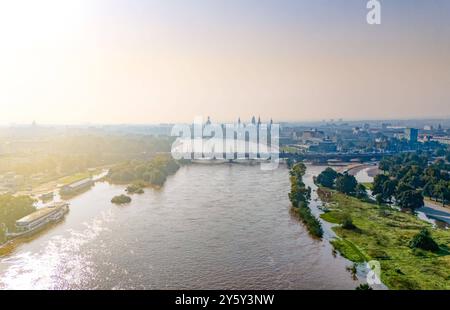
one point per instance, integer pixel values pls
(81, 182)
(40, 213)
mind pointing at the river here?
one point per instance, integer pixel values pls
(209, 227)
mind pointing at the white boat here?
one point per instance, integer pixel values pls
(40, 218)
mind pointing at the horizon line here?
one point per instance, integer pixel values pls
(326, 120)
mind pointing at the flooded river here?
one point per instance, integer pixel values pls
(209, 227)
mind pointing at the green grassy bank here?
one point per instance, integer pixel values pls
(383, 234)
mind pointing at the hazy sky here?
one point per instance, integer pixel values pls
(149, 61)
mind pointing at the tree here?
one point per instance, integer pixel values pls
(447, 157)
(410, 199)
(431, 174)
(361, 191)
(424, 241)
(298, 169)
(311, 222)
(11, 209)
(299, 192)
(154, 171)
(413, 177)
(412, 172)
(327, 177)
(388, 190)
(135, 188)
(346, 183)
(402, 186)
(300, 196)
(378, 183)
(441, 190)
(440, 164)
(439, 152)
(385, 164)
(428, 190)
(379, 199)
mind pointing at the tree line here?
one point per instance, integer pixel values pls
(57, 155)
(154, 171)
(11, 209)
(41, 159)
(408, 178)
(300, 195)
(342, 182)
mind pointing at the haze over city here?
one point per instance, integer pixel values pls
(168, 61)
(224, 152)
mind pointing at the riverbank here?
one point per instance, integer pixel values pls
(195, 232)
(383, 234)
(436, 204)
(435, 211)
(96, 174)
(54, 185)
(299, 197)
(353, 169)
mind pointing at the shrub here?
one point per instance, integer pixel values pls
(364, 287)
(410, 199)
(135, 189)
(347, 222)
(424, 241)
(121, 199)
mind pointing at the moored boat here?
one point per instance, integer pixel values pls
(40, 218)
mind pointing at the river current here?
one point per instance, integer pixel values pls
(209, 227)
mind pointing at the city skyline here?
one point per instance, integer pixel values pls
(146, 62)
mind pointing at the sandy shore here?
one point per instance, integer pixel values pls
(372, 172)
(436, 204)
(349, 168)
(354, 168)
(435, 210)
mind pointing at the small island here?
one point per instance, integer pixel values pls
(121, 199)
(136, 188)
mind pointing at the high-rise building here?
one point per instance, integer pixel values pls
(411, 134)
